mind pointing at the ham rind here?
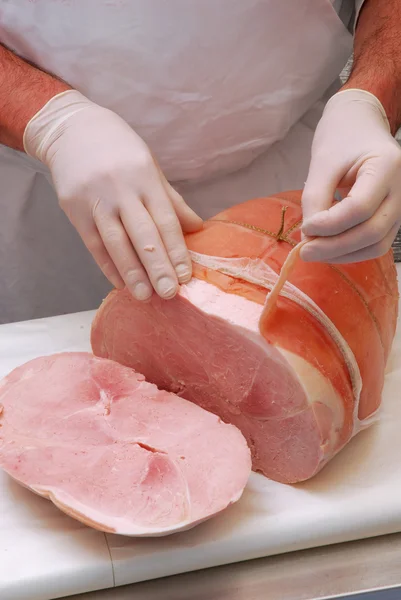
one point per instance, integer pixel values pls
(113, 451)
(299, 370)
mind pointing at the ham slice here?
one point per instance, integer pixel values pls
(299, 371)
(113, 451)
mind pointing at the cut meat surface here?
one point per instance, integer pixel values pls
(205, 345)
(299, 371)
(115, 452)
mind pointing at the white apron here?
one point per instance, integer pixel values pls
(225, 93)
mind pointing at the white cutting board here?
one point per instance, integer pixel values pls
(45, 554)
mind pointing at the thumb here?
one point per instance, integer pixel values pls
(319, 190)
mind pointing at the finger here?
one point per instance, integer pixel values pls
(165, 218)
(145, 238)
(374, 251)
(320, 186)
(123, 255)
(362, 236)
(189, 220)
(361, 203)
(96, 247)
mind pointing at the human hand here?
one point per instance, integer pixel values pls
(353, 151)
(114, 193)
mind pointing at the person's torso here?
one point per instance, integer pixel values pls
(209, 85)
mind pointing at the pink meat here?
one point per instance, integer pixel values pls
(115, 452)
(205, 346)
(291, 353)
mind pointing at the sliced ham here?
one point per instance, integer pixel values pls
(113, 451)
(299, 371)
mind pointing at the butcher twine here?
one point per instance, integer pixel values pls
(258, 272)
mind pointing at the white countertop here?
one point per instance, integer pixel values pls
(45, 554)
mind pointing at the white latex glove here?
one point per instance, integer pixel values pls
(353, 151)
(114, 193)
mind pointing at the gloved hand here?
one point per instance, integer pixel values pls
(353, 151)
(114, 193)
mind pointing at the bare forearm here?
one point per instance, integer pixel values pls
(24, 89)
(377, 55)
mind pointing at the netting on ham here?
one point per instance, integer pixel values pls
(258, 272)
(291, 353)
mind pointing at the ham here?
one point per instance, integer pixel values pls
(296, 362)
(113, 451)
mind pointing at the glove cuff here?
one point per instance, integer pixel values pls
(48, 123)
(357, 95)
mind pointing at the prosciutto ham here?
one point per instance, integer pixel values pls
(113, 451)
(296, 362)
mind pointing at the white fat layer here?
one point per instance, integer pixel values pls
(254, 270)
(373, 418)
(245, 314)
(241, 313)
(235, 309)
(118, 524)
(318, 389)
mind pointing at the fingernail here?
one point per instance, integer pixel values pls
(307, 222)
(307, 255)
(183, 273)
(309, 226)
(167, 287)
(142, 291)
